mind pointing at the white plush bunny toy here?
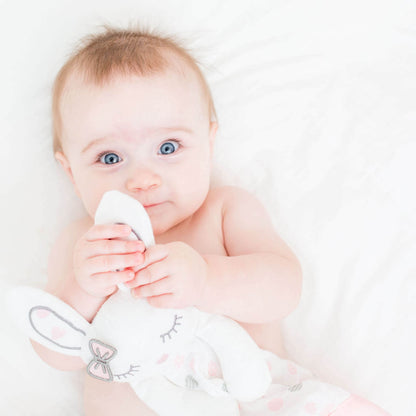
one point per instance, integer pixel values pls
(169, 356)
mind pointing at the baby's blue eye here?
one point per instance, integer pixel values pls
(109, 158)
(168, 147)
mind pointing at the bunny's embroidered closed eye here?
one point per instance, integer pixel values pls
(173, 329)
(133, 369)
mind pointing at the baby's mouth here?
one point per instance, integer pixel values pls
(151, 206)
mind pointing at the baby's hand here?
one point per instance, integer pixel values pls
(173, 275)
(101, 253)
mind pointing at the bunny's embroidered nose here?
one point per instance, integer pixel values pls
(99, 366)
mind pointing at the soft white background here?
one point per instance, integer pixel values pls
(317, 110)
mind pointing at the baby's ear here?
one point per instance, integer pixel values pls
(212, 135)
(64, 162)
(47, 320)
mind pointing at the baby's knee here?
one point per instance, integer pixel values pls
(102, 398)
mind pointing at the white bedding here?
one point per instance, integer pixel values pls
(317, 110)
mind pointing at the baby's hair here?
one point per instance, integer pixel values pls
(132, 51)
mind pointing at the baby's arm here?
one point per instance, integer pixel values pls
(62, 284)
(80, 273)
(260, 280)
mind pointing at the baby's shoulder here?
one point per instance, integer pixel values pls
(73, 231)
(225, 192)
(229, 196)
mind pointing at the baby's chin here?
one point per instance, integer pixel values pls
(161, 228)
(163, 225)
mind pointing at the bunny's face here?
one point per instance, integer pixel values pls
(131, 338)
(127, 339)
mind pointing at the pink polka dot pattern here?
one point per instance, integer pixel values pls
(57, 332)
(311, 408)
(179, 361)
(328, 409)
(162, 359)
(214, 370)
(42, 313)
(275, 404)
(291, 369)
(192, 364)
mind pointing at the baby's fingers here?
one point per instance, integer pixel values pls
(161, 287)
(107, 231)
(106, 283)
(110, 263)
(150, 274)
(103, 247)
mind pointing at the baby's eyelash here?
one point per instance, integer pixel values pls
(132, 370)
(175, 324)
(99, 156)
(173, 140)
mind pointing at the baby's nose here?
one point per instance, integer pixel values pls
(143, 179)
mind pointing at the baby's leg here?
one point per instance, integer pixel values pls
(101, 398)
(356, 406)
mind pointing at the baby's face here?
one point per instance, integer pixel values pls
(149, 137)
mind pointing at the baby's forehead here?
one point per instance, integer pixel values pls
(85, 78)
(171, 97)
(179, 75)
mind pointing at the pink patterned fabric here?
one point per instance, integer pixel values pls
(295, 391)
(357, 406)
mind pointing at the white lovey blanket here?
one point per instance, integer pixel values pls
(317, 112)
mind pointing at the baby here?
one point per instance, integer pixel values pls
(132, 112)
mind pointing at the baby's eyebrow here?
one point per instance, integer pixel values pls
(94, 143)
(158, 130)
(174, 128)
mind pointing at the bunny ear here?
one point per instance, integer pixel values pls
(117, 207)
(47, 320)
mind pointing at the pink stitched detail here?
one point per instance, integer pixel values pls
(214, 370)
(42, 313)
(162, 359)
(291, 369)
(57, 332)
(275, 404)
(358, 406)
(311, 408)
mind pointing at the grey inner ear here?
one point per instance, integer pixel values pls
(70, 324)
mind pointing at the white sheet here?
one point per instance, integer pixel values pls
(317, 111)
